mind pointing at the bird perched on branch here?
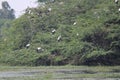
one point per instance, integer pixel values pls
(28, 45)
(116, 1)
(53, 31)
(39, 50)
(59, 38)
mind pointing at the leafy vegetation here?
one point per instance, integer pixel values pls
(89, 29)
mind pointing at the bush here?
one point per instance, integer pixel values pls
(101, 57)
(98, 37)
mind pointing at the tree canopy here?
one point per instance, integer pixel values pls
(88, 33)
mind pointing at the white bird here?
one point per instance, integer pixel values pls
(116, 1)
(74, 23)
(39, 49)
(59, 38)
(119, 9)
(49, 9)
(53, 31)
(28, 45)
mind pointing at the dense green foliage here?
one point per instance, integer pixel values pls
(6, 16)
(89, 29)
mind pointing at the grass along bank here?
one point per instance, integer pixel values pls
(58, 72)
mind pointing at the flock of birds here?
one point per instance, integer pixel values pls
(59, 38)
(39, 49)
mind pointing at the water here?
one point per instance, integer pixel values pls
(60, 74)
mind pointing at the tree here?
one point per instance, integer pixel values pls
(6, 12)
(5, 5)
